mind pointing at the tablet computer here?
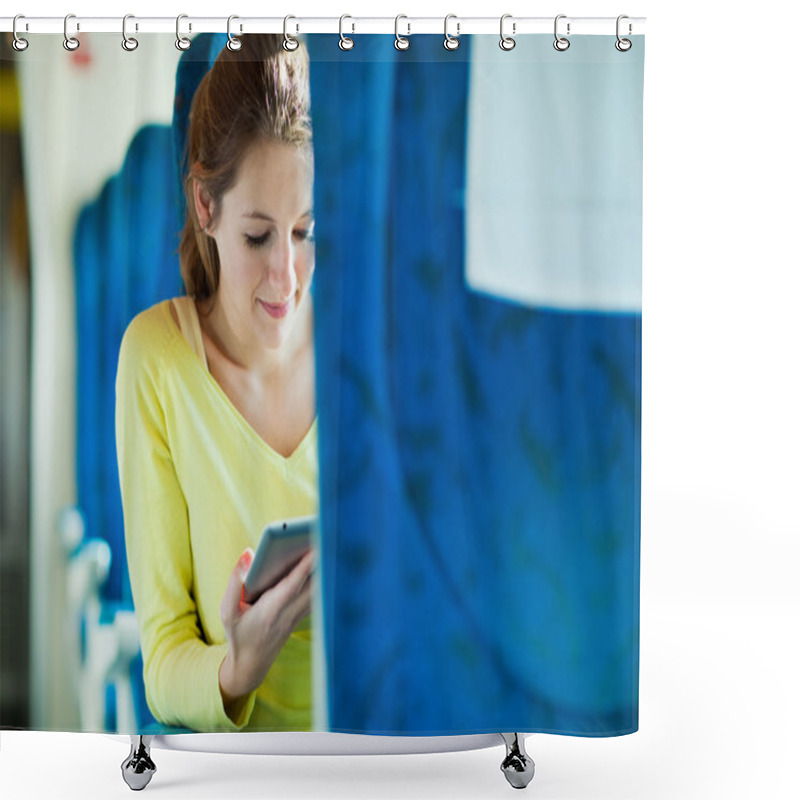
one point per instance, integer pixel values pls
(282, 545)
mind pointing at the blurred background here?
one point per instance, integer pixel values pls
(91, 209)
(15, 349)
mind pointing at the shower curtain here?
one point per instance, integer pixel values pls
(477, 350)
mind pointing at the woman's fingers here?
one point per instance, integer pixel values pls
(233, 602)
(291, 583)
(282, 597)
(300, 605)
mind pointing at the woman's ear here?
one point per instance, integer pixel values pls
(203, 204)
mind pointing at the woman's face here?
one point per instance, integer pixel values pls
(264, 235)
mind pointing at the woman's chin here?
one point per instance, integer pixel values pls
(274, 340)
(274, 334)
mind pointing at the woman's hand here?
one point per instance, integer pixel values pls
(257, 632)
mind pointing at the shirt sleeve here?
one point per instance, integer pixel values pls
(181, 670)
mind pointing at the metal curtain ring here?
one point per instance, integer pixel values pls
(345, 42)
(561, 43)
(19, 43)
(451, 42)
(289, 42)
(233, 44)
(128, 42)
(623, 45)
(181, 42)
(507, 42)
(70, 42)
(400, 42)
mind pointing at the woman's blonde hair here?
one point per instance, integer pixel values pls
(260, 92)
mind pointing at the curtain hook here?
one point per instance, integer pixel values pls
(233, 44)
(401, 42)
(19, 43)
(561, 43)
(128, 42)
(289, 42)
(623, 45)
(451, 42)
(70, 42)
(507, 42)
(181, 42)
(345, 42)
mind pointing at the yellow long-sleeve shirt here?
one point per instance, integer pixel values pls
(198, 486)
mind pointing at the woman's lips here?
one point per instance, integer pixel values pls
(277, 311)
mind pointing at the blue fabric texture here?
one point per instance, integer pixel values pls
(479, 459)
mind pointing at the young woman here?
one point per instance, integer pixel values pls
(216, 424)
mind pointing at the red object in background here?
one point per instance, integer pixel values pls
(82, 57)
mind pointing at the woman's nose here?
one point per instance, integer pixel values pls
(281, 267)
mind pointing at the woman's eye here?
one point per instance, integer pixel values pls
(255, 241)
(305, 235)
